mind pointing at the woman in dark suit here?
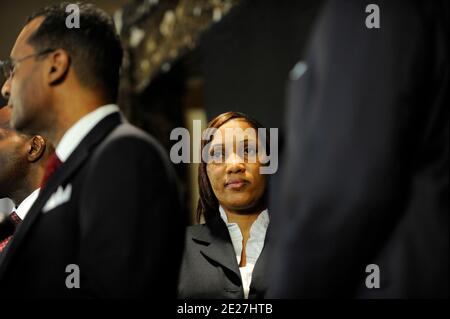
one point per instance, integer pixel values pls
(225, 256)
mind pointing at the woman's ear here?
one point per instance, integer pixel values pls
(36, 150)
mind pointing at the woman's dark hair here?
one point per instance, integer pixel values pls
(208, 204)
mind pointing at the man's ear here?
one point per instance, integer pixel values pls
(59, 63)
(36, 150)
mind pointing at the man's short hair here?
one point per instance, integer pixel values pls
(94, 48)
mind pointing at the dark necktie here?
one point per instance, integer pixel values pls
(53, 164)
(15, 220)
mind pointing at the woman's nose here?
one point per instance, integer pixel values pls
(235, 164)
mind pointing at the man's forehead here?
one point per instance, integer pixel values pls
(21, 46)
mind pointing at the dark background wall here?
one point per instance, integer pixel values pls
(247, 57)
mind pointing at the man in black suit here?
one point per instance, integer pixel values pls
(108, 220)
(22, 163)
(362, 207)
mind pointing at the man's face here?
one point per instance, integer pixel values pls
(25, 88)
(13, 155)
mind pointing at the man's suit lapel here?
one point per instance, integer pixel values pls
(67, 169)
(216, 245)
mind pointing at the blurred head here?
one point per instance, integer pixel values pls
(231, 175)
(22, 158)
(51, 61)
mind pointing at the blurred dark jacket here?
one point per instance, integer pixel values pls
(122, 223)
(366, 172)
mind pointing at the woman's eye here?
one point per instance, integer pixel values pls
(250, 151)
(216, 154)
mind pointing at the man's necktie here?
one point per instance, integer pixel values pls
(53, 164)
(15, 220)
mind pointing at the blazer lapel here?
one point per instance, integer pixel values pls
(258, 286)
(66, 170)
(217, 246)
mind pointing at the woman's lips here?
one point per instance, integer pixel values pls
(236, 184)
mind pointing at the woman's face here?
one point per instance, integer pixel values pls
(234, 175)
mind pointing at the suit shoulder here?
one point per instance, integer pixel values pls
(127, 139)
(130, 133)
(127, 144)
